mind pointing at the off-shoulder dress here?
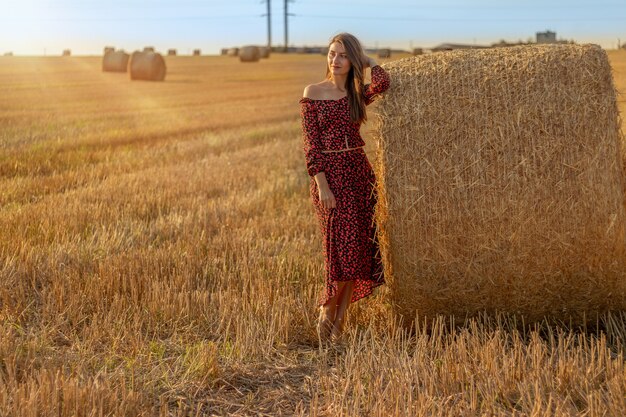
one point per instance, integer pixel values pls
(350, 245)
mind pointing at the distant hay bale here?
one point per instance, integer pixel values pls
(249, 54)
(384, 53)
(115, 61)
(501, 183)
(224, 51)
(8, 54)
(264, 52)
(418, 51)
(66, 52)
(148, 66)
(196, 52)
(108, 49)
(171, 52)
(148, 49)
(233, 52)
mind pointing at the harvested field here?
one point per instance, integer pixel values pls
(159, 255)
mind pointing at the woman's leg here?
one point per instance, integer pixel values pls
(327, 315)
(345, 295)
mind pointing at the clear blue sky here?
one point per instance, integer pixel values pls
(29, 26)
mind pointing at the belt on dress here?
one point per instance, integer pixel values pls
(343, 150)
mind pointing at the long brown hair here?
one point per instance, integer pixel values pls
(354, 82)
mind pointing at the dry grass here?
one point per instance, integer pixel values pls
(159, 256)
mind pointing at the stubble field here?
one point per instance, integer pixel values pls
(159, 255)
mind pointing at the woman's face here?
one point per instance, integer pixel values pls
(338, 61)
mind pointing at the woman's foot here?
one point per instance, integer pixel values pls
(336, 333)
(324, 326)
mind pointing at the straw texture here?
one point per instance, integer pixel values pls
(501, 182)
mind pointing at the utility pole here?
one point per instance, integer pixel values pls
(269, 24)
(286, 25)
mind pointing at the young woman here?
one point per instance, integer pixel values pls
(342, 179)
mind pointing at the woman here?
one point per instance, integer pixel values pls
(342, 179)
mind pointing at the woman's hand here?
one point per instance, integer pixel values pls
(327, 198)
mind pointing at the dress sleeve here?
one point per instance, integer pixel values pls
(380, 83)
(311, 138)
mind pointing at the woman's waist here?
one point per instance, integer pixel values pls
(333, 151)
(341, 142)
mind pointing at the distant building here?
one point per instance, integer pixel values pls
(546, 37)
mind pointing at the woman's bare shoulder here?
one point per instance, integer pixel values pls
(317, 91)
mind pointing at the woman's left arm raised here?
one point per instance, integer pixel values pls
(380, 79)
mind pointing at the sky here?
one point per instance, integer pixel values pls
(46, 27)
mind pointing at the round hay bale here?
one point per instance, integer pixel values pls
(8, 54)
(108, 49)
(249, 54)
(66, 52)
(171, 52)
(115, 61)
(196, 52)
(148, 49)
(384, 53)
(501, 183)
(148, 66)
(233, 52)
(418, 51)
(264, 52)
(224, 51)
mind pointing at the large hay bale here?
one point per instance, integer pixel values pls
(108, 49)
(418, 51)
(115, 61)
(148, 66)
(148, 49)
(384, 53)
(66, 52)
(501, 183)
(233, 52)
(171, 52)
(196, 52)
(249, 54)
(264, 52)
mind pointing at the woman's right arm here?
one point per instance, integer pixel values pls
(312, 146)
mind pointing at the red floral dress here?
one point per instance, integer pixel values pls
(351, 250)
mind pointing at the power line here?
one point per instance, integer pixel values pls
(121, 19)
(461, 19)
(422, 6)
